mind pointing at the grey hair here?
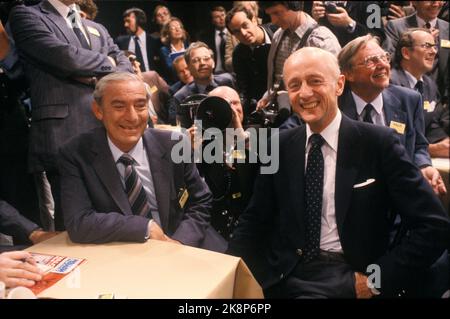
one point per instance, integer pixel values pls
(196, 45)
(347, 53)
(116, 77)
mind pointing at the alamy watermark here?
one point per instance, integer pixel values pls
(262, 143)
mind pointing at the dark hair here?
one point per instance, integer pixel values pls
(234, 10)
(291, 5)
(406, 41)
(141, 17)
(89, 7)
(218, 8)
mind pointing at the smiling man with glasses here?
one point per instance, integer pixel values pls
(415, 55)
(200, 60)
(370, 98)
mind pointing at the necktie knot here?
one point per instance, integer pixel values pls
(368, 113)
(316, 140)
(419, 87)
(221, 34)
(428, 25)
(126, 159)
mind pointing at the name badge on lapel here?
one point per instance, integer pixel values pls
(445, 43)
(429, 106)
(93, 31)
(183, 196)
(399, 127)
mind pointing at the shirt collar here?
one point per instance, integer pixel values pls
(62, 9)
(309, 22)
(412, 79)
(142, 37)
(137, 152)
(421, 22)
(330, 134)
(377, 103)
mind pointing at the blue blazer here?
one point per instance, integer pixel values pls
(96, 207)
(403, 106)
(271, 232)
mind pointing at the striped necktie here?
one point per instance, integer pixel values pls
(137, 195)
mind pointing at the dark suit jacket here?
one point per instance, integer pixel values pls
(53, 58)
(274, 222)
(403, 106)
(394, 30)
(12, 223)
(153, 47)
(436, 120)
(96, 207)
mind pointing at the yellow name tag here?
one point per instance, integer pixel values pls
(238, 154)
(93, 31)
(445, 43)
(236, 195)
(426, 105)
(399, 127)
(153, 89)
(183, 198)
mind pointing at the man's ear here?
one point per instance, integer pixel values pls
(405, 53)
(97, 110)
(340, 85)
(348, 75)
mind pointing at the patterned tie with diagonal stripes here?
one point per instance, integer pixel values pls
(133, 186)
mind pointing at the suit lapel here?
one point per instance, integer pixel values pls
(347, 166)
(294, 156)
(93, 39)
(161, 175)
(411, 21)
(347, 104)
(392, 108)
(106, 170)
(402, 79)
(60, 22)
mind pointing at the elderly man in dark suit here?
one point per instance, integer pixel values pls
(122, 182)
(426, 16)
(369, 97)
(63, 56)
(325, 227)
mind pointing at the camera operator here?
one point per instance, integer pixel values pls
(200, 60)
(346, 19)
(230, 180)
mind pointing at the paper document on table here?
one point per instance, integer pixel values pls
(54, 268)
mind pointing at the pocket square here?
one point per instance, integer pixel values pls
(368, 182)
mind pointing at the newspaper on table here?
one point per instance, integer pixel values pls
(54, 268)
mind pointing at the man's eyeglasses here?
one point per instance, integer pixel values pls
(372, 60)
(200, 59)
(427, 46)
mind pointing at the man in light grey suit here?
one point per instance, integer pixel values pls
(425, 17)
(63, 55)
(100, 191)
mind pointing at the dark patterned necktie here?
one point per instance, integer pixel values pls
(137, 195)
(138, 52)
(72, 16)
(419, 87)
(313, 197)
(368, 113)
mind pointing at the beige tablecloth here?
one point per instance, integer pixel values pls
(153, 269)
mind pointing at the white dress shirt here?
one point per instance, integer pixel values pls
(378, 117)
(142, 40)
(421, 22)
(329, 236)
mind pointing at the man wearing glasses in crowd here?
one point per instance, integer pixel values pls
(369, 97)
(200, 60)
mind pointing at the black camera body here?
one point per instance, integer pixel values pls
(331, 6)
